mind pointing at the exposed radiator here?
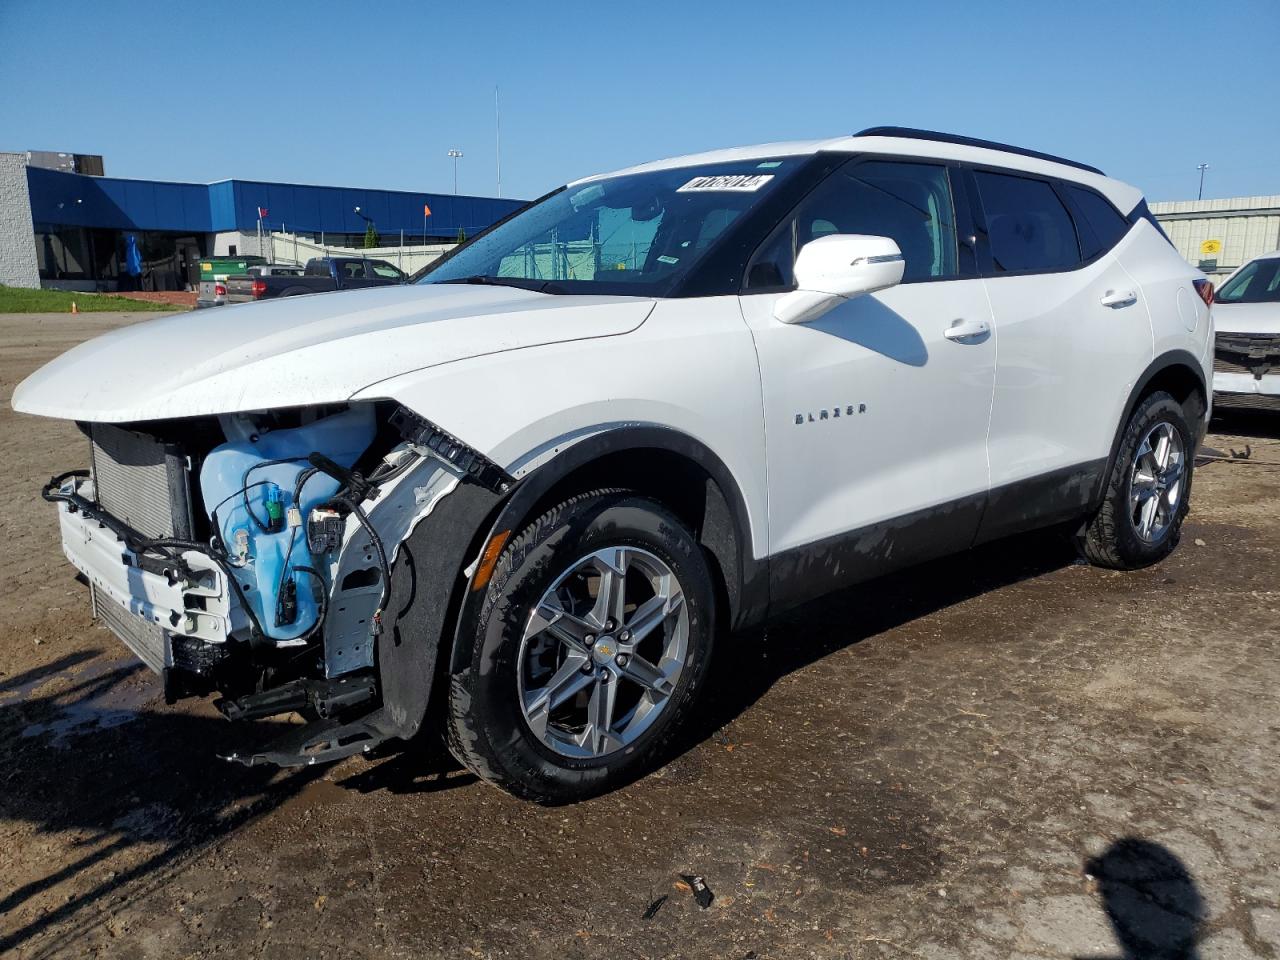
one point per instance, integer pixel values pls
(1221, 365)
(145, 639)
(1253, 353)
(1246, 401)
(141, 481)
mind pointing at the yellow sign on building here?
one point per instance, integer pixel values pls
(1210, 248)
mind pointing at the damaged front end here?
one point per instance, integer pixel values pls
(252, 555)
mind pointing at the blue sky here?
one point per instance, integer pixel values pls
(374, 95)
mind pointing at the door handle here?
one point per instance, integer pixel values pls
(964, 329)
(1119, 298)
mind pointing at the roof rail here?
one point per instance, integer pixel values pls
(909, 133)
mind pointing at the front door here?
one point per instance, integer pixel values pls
(876, 413)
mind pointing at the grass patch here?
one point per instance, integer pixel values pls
(23, 300)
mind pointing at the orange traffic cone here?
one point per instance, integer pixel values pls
(74, 308)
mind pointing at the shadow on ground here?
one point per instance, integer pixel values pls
(135, 790)
(762, 657)
(91, 754)
(1154, 905)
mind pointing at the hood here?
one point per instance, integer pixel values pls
(305, 350)
(1246, 317)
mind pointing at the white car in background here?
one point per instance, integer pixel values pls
(1246, 315)
(532, 489)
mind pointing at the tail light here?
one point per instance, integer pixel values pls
(219, 289)
(259, 288)
(1205, 289)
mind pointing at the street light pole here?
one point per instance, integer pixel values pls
(455, 154)
(497, 137)
(364, 216)
(1202, 168)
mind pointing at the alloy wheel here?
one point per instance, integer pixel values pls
(602, 652)
(1157, 483)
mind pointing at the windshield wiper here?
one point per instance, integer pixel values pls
(523, 283)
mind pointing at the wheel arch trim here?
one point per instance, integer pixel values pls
(1166, 361)
(748, 586)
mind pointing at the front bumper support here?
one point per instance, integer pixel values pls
(137, 595)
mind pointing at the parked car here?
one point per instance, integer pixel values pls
(214, 271)
(1246, 366)
(322, 274)
(221, 292)
(652, 409)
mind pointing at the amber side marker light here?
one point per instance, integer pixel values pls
(1205, 289)
(489, 560)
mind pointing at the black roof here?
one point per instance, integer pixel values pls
(911, 133)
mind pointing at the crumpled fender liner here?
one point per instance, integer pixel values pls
(427, 585)
(432, 605)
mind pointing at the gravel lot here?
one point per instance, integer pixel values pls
(1005, 754)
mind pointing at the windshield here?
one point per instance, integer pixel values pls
(1258, 282)
(638, 234)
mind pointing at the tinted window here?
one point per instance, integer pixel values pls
(1027, 224)
(1098, 223)
(908, 202)
(1257, 282)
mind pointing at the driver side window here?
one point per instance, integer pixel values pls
(908, 202)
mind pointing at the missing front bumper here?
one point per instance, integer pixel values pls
(144, 603)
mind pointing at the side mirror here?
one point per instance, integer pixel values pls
(836, 268)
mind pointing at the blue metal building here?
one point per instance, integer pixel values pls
(80, 221)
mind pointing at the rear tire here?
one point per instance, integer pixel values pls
(591, 645)
(1148, 491)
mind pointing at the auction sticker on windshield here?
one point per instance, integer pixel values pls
(738, 183)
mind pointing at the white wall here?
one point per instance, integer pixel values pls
(1247, 227)
(17, 242)
(287, 248)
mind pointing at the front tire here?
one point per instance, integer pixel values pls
(592, 642)
(1148, 491)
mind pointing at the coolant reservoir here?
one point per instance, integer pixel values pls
(266, 550)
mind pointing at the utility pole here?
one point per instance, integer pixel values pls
(455, 154)
(1202, 168)
(497, 136)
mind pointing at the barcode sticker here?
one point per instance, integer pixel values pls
(735, 183)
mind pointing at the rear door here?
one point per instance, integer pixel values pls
(876, 412)
(1073, 333)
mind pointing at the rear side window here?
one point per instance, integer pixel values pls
(1099, 224)
(1027, 225)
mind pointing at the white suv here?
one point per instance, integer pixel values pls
(652, 408)
(1246, 368)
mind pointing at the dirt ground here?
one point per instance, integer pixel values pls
(1006, 754)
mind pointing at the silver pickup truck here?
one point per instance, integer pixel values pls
(216, 291)
(321, 275)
